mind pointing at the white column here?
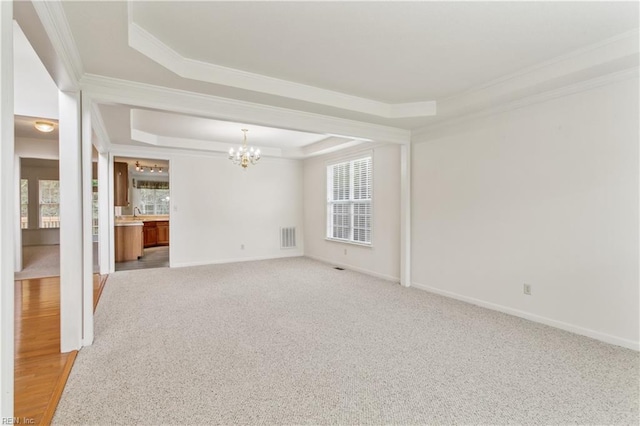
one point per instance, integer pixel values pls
(405, 215)
(104, 216)
(7, 214)
(71, 219)
(87, 223)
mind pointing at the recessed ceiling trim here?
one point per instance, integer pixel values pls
(620, 46)
(111, 90)
(200, 145)
(150, 46)
(427, 133)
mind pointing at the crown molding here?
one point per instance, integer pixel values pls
(150, 46)
(106, 89)
(600, 52)
(601, 58)
(426, 133)
(55, 24)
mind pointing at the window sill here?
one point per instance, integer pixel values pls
(353, 243)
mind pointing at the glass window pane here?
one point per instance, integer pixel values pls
(24, 203)
(49, 203)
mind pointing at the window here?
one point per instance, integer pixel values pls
(94, 207)
(49, 203)
(349, 201)
(154, 201)
(24, 204)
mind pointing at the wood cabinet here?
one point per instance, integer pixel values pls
(128, 242)
(163, 233)
(156, 233)
(121, 184)
(150, 234)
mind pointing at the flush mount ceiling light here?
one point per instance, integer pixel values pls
(244, 156)
(44, 126)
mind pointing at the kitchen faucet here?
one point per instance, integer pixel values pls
(134, 211)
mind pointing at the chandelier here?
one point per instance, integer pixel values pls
(244, 156)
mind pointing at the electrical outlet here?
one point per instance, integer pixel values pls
(241, 246)
(526, 289)
(345, 251)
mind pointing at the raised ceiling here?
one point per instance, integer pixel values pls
(377, 68)
(394, 52)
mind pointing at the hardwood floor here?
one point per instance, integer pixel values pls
(41, 371)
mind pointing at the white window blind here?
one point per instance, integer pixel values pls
(349, 195)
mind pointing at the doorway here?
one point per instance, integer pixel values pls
(142, 213)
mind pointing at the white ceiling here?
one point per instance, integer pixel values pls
(24, 128)
(35, 93)
(376, 54)
(182, 126)
(387, 51)
(130, 126)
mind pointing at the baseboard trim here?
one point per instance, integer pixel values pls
(354, 268)
(236, 260)
(603, 337)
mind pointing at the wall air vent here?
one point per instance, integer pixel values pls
(288, 237)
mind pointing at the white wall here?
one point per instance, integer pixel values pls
(216, 207)
(383, 257)
(37, 148)
(546, 195)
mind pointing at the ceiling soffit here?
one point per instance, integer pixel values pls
(152, 47)
(619, 52)
(178, 131)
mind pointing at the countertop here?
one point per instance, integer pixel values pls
(129, 223)
(139, 220)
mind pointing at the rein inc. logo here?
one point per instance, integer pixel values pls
(18, 421)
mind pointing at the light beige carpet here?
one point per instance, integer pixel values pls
(39, 262)
(294, 341)
(44, 261)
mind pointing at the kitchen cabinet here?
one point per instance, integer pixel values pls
(156, 233)
(121, 184)
(150, 234)
(128, 241)
(163, 233)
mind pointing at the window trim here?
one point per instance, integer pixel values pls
(347, 159)
(155, 205)
(40, 204)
